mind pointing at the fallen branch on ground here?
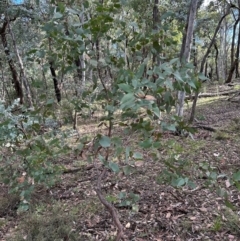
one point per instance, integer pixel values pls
(87, 168)
(234, 96)
(223, 93)
(208, 128)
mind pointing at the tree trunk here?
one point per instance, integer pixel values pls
(155, 24)
(211, 43)
(206, 69)
(22, 69)
(15, 77)
(233, 41)
(210, 74)
(237, 54)
(216, 61)
(55, 82)
(203, 63)
(82, 57)
(225, 57)
(100, 75)
(222, 47)
(194, 53)
(4, 87)
(185, 50)
(234, 65)
(79, 75)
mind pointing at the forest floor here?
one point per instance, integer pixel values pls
(71, 210)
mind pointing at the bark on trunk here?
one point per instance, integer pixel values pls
(4, 90)
(15, 77)
(233, 41)
(55, 82)
(22, 69)
(206, 69)
(234, 65)
(203, 63)
(155, 24)
(185, 50)
(216, 61)
(194, 53)
(211, 43)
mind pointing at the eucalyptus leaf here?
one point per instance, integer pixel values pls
(137, 155)
(57, 15)
(105, 141)
(236, 176)
(126, 87)
(114, 167)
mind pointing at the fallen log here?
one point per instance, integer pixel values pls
(223, 93)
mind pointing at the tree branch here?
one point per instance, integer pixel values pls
(109, 207)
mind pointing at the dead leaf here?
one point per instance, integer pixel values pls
(178, 216)
(138, 163)
(128, 225)
(149, 97)
(231, 237)
(203, 209)
(168, 215)
(227, 183)
(223, 162)
(140, 95)
(21, 179)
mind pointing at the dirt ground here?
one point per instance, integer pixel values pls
(208, 211)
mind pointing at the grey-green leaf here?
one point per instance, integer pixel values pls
(114, 167)
(105, 141)
(126, 87)
(137, 155)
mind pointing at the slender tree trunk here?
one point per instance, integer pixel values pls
(100, 75)
(82, 18)
(22, 69)
(83, 66)
(233, 41)
(206, 69)
(203, 63)
(15, 77)
(55, 82)
(155, 14)
(155, 23)
(234, 65)
(4, 87)
(210, 74)
(225, 57)
(216, 61)
(194, 53)
(211, 43)
(222, 47)
(78, 80)
(231, 72)
(237, 75)
(127, 66)
(185, 50)
(237, 52)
